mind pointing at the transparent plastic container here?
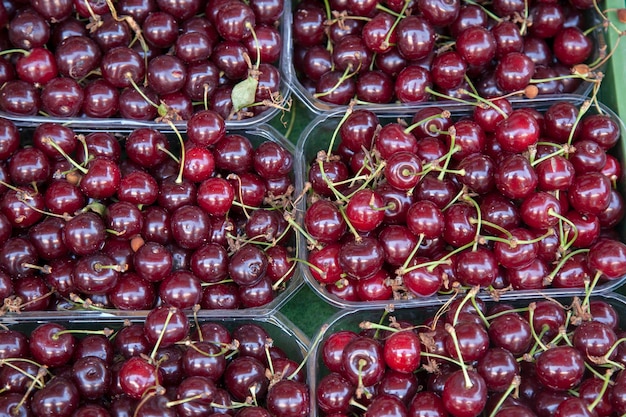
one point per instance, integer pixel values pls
(257, 135)
(317, 106)
(118, 122)
(283, 333)
(317, 136)
(350, 319)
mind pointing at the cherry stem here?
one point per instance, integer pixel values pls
(531, 315)
(331, 185)
(606, 380)
(470, 294)
(174, 403)
(105, 332)
(479, 312)
(49, 141)
(354, 232)
(41, 373)
(290, 220)
(442, 357)
(479, 220)
(210, 284)
(168, 153)
(537, 344)
(367, 325)
(513, 387)
(484, 9)
(514, 242)
(257, 44)
(444, 114)
(551, 275)
(170, 313)
(385, 9)
(405, 266)
(485, 101)
(492, 225)
(86, 304)
(15, 51)
(563, 219)
(9, 362)
(453, 150)
(589, 290)
(583, 109)
(24, 200)
(276, 285)
(346, 74)
(331, 144)
(361, 389)
(143, 95)
(309, 351)
(608, 354)
(562, 150)
(385, 43)
(447, 97)
(525, 20)
(450, 329)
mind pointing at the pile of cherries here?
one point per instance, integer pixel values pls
(501, 198)
(163, 367)
(138, 59)
(416, 50)
(84, 226)
(537, 359)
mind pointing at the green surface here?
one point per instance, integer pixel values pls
(613, 92)
(305, 309)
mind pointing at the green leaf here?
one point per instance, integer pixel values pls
(243, 93)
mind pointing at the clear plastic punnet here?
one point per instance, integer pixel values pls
(228, 239)
(422, 320)
(281, 99)
(305, 89)
(338, 285)
(199, 344)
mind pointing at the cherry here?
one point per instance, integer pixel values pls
(362, 361)
(244, 376)
(137, 376)
(498, 368)
(58, 397)
(412, 84)
(464, 396)
(514, 71)
(50, 345)
(560, 368)
(571, 46)
(334, 393)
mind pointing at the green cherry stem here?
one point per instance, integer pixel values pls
(453, 150)
(170, 313)
(513, 387)
(589, 289)
(583, 109)
(531, 315)
(550, 277)
(470, 294)
(606, 380)
(450, 329)
(49, 141)
(385, 43)
(444, 114)
(572, 226)
(484, 101)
